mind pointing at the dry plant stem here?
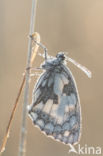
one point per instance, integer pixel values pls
(22, 148)
(11, 117)
(34, 52)
(23, 127)
(26, 91)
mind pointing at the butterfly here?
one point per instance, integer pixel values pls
(55, 107)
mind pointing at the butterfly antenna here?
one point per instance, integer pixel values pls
(84, 69)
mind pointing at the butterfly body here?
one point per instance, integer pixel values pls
(55, 107)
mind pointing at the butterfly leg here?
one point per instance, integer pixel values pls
(42, 46)
(36, 72)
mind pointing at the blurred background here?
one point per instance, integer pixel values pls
(75, 26)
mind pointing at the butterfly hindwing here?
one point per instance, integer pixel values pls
(55, 107)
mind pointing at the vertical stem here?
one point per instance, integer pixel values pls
(27, 76)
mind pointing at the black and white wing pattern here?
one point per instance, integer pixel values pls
(55, 107)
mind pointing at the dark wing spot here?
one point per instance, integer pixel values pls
(69, 88)
(55, 98)
(46, 92)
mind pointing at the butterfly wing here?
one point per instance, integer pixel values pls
(55, 107)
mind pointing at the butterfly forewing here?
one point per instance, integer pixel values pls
(55, 107)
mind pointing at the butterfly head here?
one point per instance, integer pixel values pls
(60, 56)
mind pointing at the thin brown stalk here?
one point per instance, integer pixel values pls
(36, 36)
(11, 117)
